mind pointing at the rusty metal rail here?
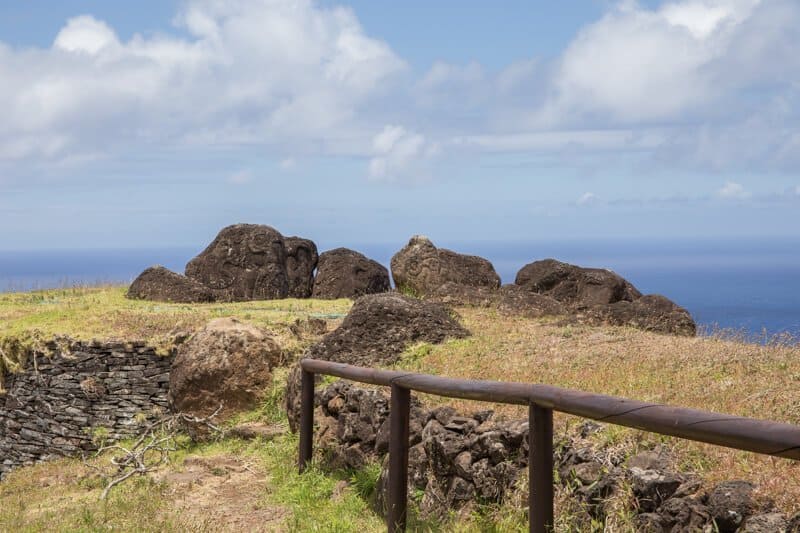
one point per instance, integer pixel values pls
(760, 436)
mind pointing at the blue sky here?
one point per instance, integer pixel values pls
(372, 121)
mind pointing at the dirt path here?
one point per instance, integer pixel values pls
(222, 493)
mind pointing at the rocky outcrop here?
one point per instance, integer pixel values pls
(597, 296)
(226, 363)
(380, 326)
(375, 332)
(575, 286)
(421, 267)
(651, 312)
(64, 402)
(301, 260)
(160, 284)
(244, 262)
(344, 273)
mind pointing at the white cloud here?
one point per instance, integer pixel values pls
(86, 34)
(732, 190)
(243, 177)
(587, 198)
(637, 64)
(398, 152)
(251, 71)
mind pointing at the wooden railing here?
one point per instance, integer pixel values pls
(760, 436)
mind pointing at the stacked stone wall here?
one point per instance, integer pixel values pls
(64, 403)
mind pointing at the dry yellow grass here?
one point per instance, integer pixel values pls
(704, 373)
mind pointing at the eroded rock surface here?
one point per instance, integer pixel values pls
(422, 268)
(226, 363)
(344, 273)
(380, 326)
(163, 285)
(244, 262)
(301, 260)
(575, 286)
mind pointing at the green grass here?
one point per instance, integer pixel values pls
(28, 320)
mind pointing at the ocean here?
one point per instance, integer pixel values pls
(748, 286)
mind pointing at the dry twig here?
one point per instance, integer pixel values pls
(151, 450)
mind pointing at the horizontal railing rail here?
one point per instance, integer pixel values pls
(760, 436)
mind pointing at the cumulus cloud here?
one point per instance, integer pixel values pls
(709, 84)
(638, 64)
(398, 152)
(733, 190)
(250, 71)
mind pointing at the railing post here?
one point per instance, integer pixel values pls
(399, 412)
(540, 469)
(306, 418)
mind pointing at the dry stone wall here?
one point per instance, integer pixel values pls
(60, 403)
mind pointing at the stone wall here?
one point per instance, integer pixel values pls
(457, 460)
(60, 401)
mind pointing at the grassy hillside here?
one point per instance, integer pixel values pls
(247, 484)
(104, 313)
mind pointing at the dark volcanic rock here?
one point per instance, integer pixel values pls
(765, 523)
(227, 362)
(301, 260)
(344, 273)
(244, 262)
(454, 294)
(650, 313)
(516, 300)
(380, 326)
(422, 268)
(160, 284)
(730, 503)
(574, 285)
(375, 332)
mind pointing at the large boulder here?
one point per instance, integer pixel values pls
(380, 326)
(226, 363)
(244, 262)
(301, 260)
(422, 268)
(652, 312)
(375, 332)
(575, 286)
(344, 273)
(163, 285)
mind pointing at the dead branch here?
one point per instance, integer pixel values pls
(153, 447)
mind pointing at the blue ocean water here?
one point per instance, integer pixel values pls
(751, 286)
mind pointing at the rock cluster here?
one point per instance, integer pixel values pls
(598, 296)
(54, 407)
(343, 273)
(227, 363)
(255, 262)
